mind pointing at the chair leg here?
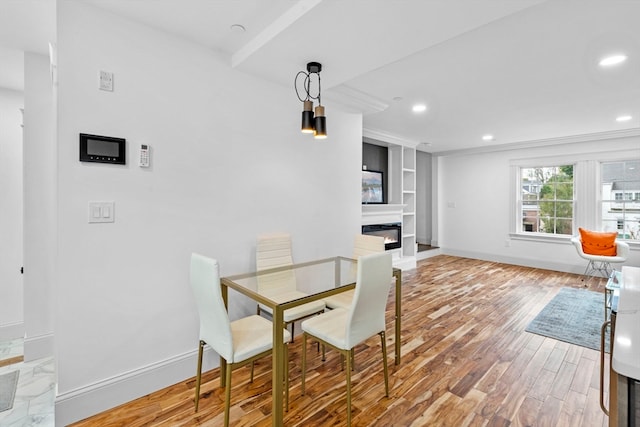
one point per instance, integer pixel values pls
(227, 396)
(348, 357)
(589, 269)
(252, 366)
(596, 269)
(353, 359)
(384, 363)
(199, 373)
(304, 360)
(223, 367)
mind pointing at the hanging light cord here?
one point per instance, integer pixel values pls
(307, 87)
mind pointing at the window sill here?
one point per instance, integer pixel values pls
(634, 245)
(538, 237)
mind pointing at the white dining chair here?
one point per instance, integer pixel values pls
(342, 329)
(364, 244)
(238, 342)
(273, 251)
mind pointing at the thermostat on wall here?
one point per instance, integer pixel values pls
(102, 149)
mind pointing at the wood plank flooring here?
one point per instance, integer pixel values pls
(466, 361)
(11, 361)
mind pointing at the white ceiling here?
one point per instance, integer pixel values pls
(522, 70)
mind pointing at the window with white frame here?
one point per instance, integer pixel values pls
(620, 192)
(553, 196)
(547, 199)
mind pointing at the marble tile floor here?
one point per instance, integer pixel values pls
(34, 401)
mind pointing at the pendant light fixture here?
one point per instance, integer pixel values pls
(316, 124)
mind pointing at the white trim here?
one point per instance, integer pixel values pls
(38, 347)
(355, 101)
(515, 201)
(428, 254)
(559, 239)
(588, 202)
(524, 262)
(571, 139)
(382, 136)
(541, 237)
(405, 263)
(284, 21)
(10, 331)
(83, 402)
(559, 160)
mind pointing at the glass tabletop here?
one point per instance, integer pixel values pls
(614, 281)
(287, 285)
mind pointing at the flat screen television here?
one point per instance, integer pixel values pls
(372, 187)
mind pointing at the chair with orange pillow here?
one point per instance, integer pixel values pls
(600, 249)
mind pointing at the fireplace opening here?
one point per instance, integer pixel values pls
(391, 232)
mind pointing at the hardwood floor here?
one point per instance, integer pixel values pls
(466, 362)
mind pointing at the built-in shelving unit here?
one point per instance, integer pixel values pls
(401, 201)
(409, 202)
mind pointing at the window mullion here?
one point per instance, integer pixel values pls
(587, 202)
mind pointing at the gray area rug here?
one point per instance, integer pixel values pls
(574, 316)
(8, 385)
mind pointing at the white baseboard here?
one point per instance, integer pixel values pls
(38, 347)
(405, 263)
(428, 254)
(524, 262)
(98, 397)
(11, 331)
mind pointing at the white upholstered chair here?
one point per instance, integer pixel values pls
(600, 265)
(343, 329)
(364, 244)
(239, 342)
(273, 251)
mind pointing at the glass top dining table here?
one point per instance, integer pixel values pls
(316, 280)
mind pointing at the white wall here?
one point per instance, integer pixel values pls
(478, 185)
(11, 313)
(227, 163)
(424, 205)
(39, 207)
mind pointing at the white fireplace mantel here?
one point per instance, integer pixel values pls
(381, 214)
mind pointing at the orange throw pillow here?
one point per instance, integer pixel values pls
(598, 243)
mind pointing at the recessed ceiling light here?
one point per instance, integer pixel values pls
(487, 137)
(419, 108)
(397, 98)
(612, 60)
(237, 28)
(623, 118)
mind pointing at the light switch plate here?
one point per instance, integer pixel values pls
(106, 81)
(100, 212)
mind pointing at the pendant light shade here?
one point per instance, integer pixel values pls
(316, 124)
(307, 117)
(320, 123)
